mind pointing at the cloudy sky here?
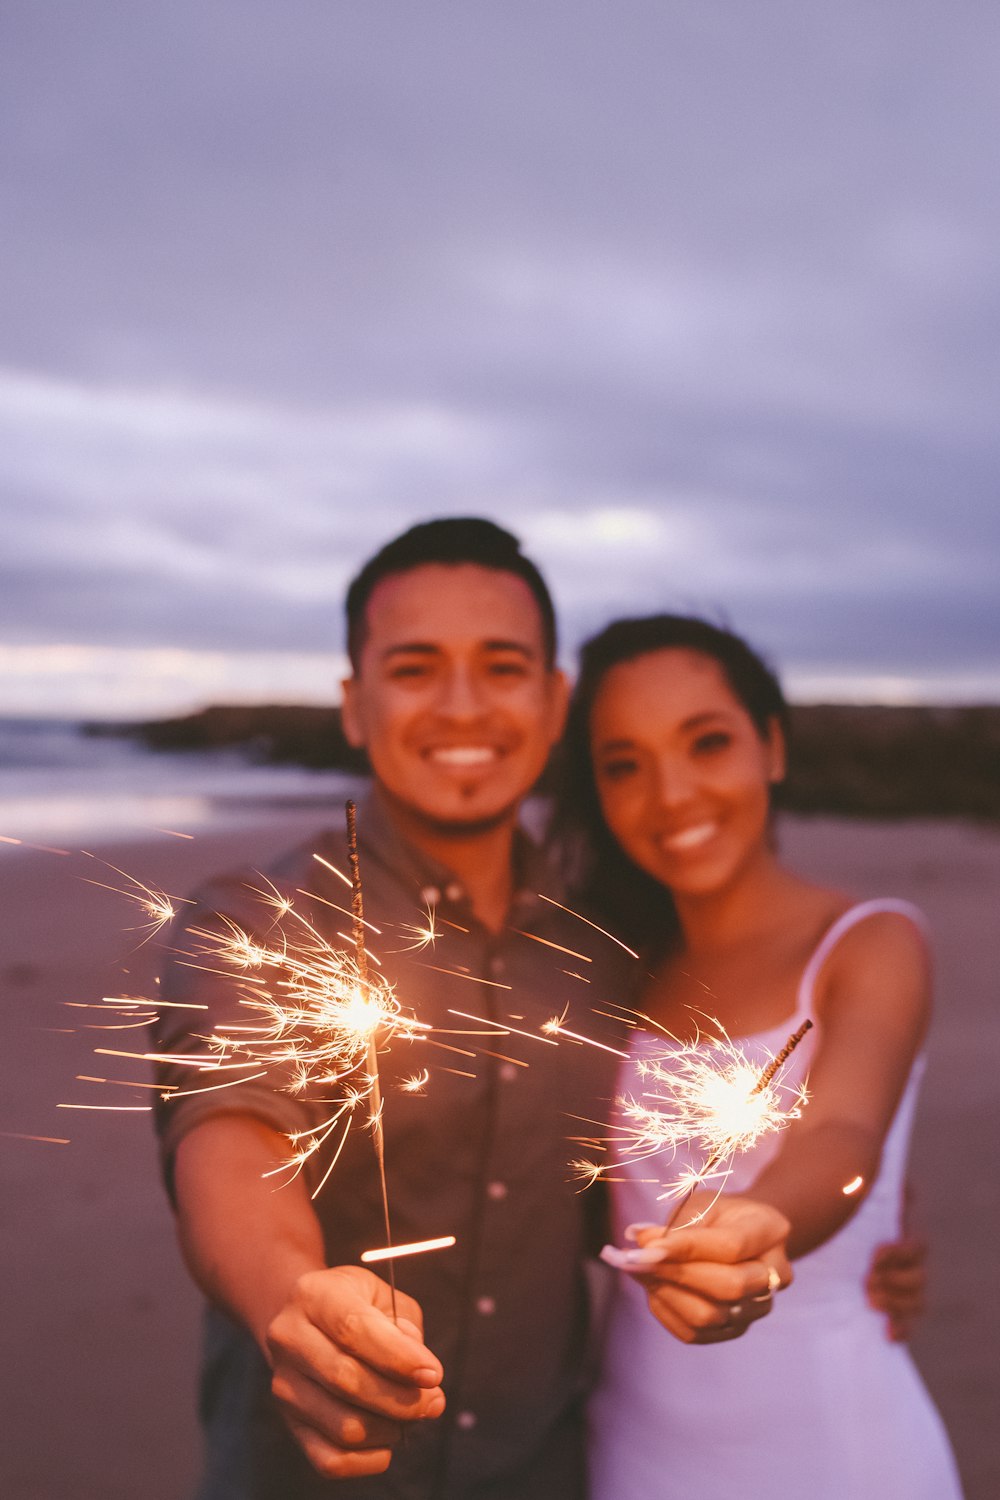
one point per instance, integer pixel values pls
(702, 299)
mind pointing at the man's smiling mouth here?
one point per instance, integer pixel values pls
(463, 757)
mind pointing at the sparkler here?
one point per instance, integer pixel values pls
(713, 1099)
(361, 958)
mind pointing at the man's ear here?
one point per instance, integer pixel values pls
(560, 689)
(777, 753)
(350, 713)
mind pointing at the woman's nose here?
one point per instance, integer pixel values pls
(673, 783)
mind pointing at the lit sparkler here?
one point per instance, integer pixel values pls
(712, 1099)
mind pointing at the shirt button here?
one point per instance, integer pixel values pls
(486, 1306)
(497, 1191)
(466, 1420)
(508, 1072)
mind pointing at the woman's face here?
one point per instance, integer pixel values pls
(681, 770)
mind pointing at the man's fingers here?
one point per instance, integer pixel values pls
(338, 1423)
(334, 1462)
(300, 1348)
(349, 1315)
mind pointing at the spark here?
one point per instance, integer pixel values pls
(6, 838)
(156, 905)
(853, 1186)
(500, 1028)
(416, 1081)
(19, 1135)
(422, 935)
(418, 1247)
(117, 1109)
(556, 1028)
(557, 946)
(602, 930)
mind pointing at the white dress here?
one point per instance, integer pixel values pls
(814, 1400)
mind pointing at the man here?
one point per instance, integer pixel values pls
(456, 697)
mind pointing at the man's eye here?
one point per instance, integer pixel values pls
(507, 669)
(716, 739)
(404, 670)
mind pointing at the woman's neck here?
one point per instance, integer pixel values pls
(739, 911)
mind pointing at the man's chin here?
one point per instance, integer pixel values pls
(456, 821)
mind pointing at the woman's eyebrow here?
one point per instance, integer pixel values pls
(711, 715)
(603, 747)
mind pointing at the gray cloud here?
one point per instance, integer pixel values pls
(703, 301)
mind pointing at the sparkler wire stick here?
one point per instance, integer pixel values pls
(361, 958)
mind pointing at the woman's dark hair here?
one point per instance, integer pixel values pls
(605, 882)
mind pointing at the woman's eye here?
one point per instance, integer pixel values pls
(617, 770)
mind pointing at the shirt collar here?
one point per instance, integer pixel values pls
(380, 841)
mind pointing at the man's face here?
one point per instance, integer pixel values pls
(452, 698)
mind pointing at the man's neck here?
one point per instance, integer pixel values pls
(481, 857)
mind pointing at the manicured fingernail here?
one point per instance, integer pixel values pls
(632, 1231)
(435, 1406)
(427, 1376)
(632, 1260)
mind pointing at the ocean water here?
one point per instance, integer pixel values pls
(62, 787)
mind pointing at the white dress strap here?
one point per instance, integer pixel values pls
(835, 932)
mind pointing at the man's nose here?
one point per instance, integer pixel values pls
(462, 695)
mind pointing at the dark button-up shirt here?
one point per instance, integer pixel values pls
(480, 1153)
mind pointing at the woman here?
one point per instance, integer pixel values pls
(677, 738)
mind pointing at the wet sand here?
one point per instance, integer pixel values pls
(100, 1322)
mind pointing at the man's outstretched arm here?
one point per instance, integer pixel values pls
(345, 1376)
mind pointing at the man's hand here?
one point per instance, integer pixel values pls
(896, 1284)
(346, 1377)
(709, 1280)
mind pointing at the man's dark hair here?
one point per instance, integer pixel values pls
(450, 540)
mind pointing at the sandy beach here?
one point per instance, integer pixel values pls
(100, 1323)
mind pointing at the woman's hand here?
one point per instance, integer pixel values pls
(712, 1276)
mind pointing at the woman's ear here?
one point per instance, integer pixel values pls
(777, 752)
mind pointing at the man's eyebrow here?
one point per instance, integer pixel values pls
(428, 648)
(521, 647)
(411, 648)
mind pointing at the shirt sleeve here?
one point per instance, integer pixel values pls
(200, 997)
